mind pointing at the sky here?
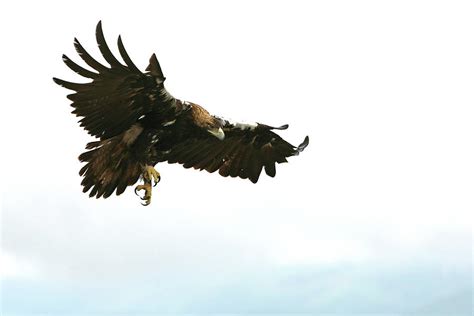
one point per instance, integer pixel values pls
(374, 217)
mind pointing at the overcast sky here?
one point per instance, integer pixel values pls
(375, 216)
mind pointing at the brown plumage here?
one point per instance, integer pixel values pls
(138, 124)
(203, 118)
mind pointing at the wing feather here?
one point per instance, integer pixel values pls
(88, 58)
(230, 159)
(255, 167)
(125, 56)
(104, 48)
(237, 163)
(269, 159)
(117, 96)
(243, 171)
(214, 152)
(199, 155)
(219, 159)
(78, 69)
(71, 85)
(243, 152)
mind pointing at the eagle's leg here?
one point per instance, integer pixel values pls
(150, 176)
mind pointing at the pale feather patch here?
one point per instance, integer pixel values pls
(169, 123)
(131, 134)
(242, 125)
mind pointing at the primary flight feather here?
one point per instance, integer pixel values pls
(138, 123)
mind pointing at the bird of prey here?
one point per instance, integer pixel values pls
(138, 124)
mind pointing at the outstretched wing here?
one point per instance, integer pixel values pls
(243, 152)
(118, 95)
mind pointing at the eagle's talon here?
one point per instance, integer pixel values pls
(147, 196)
(157, 181)
(150, 174)
(150, 177)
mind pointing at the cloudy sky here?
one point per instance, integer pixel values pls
(374, 217)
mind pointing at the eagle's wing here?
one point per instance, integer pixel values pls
(117, 96)
(243, 152)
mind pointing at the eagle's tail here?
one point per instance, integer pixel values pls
(110, 166)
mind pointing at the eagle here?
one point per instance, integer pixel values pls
(137, 123)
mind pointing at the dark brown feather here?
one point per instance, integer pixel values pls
(104, 48)
(243, 152)
(110, 165)
(213, 154)
(125, 56)
(78, 69)
(88, 58)
(117, 97)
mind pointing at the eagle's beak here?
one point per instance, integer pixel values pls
(218, 132)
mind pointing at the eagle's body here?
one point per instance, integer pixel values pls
(139, 124)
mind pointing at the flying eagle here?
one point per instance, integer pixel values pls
(138, 123)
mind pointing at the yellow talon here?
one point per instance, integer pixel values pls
(151, 175)
(147, 196)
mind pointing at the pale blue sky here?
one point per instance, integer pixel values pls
(374, 217)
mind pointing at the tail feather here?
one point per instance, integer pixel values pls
(110, 166)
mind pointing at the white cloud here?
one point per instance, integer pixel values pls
(298, 250)
(12, 267)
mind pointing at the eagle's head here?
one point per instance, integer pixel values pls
(204, 120)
